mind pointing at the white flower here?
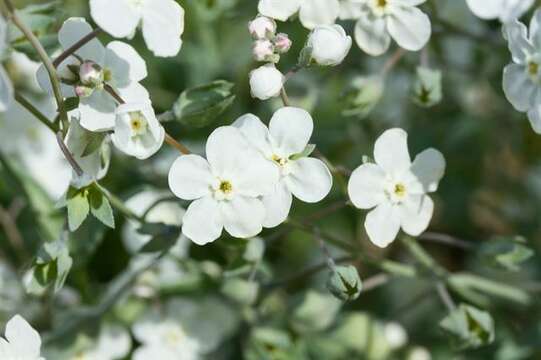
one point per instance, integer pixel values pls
(6, 87)
(163, 338)
(113, 343)
(311, 12)
(396, 188)
(162, 22)
(137, 131)
(94, 165)
(522, 78)
(226, 187)
(395, 334)
(381, 20)
(283, 144)
(122, 69)
(330, 44)
(504, 10)
(262, 27)
(21, 341)
(419, 353)
(266, 82)
(282, 43)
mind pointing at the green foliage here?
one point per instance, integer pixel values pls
(469, 327)
(88, 200)
(363, 94)
(163, 237)
(241, 291)
(201, 105)
(316, 312)
(506, 252)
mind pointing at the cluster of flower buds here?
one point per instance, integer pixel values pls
(85, 78)
(267, 44)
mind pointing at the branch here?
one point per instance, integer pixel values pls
(72, 49)
(36, 112)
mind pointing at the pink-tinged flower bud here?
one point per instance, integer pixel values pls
(263, 50)
(83, 91)
(90, 74)
(262, 27)
(282, 43)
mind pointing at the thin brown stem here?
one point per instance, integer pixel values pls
(13, 235)
(285, 98)
(34, 111)
(72, 49)
(183, 149)
(392, 61)
(68, 155)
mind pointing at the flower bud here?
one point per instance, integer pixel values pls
(90, 74)
(83, 91)
(266, 82)
(263, 50)
(262, 27)
(282, 43)
(329, 45)
(345, 283)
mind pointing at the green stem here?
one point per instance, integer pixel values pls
(35, 111)
(118, 204)
(423, 257)
(44, 57)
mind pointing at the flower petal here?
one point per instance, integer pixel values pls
(534, 116)
(118, 17)
(6, 90)
(518, 87)
(290, 129)
(72, 31)
(23, 338)
(517, 38)
(163, 24)
(371, 34)
(382, 224)
(255, 132)
(486, 9)
(277, 205)
(125, 63)
(535, 29)
(97, 111)
(391, 151)
(190, 177)
(366, 186)
(310, 180)
(318, 12)
(428, 169)
(243, 216)
(415, 214)
(409, 27)
(278, 9)
(203, 221)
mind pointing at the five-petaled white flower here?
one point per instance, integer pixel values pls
(6, 87)
(329, 44)
(504, 10)
(162, 22)
(163, 338)
(311, 12)
(380, 20)
(266, 82)
(283, 144)
(522, 78)
(226, 187)
(119, 67)
(21, 341)
(396, 188)
(137, 131)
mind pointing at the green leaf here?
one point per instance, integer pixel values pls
(469, 327)
(316, 312)
(243, 292)
(163, 237)
(72, 103)
(78, 207)
(506, 252)
(100, 207)
(362, 95)
(201, 105)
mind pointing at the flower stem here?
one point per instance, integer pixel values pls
(55, 82)
(119, 205)
(67, 154)
(72, 49)
(35, 111)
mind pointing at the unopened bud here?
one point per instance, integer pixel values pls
(345, 283)
(90, 74)
(263, 50)
(83, 91)
(282, 43)
(262, 27)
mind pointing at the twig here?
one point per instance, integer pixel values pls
(68, 155)
(13, 234)
(72, 49)
(35, 111)
(445, 296)
(446, 240)
(392, 61)
(375, 281)
(119, 205)
(285, 98)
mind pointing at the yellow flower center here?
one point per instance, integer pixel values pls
(399, 190)
(107, 75)
(226, 187)
(533, 68)
(382, 3)
(138, 123)
(279, 160)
